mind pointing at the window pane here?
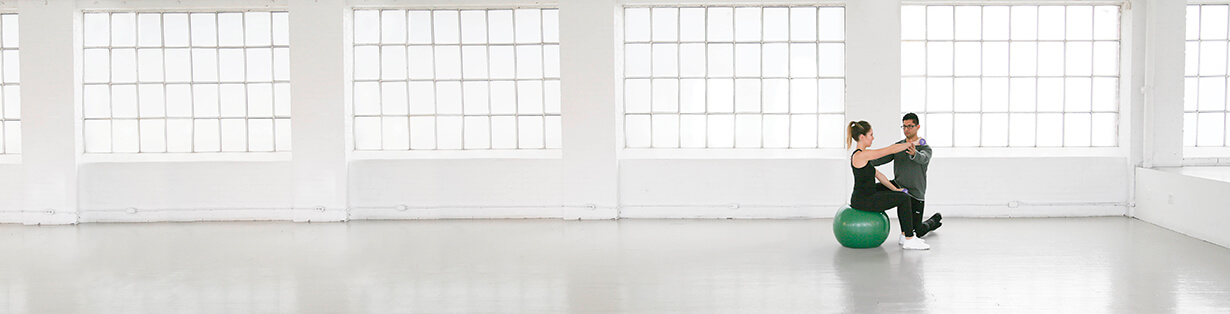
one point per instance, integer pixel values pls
(392, 26)
(665, 25)
(940, 22)
(665, 130)
(473, 28)
(448, 132)
(802, 23)
(230, 29)
(692, 24)
(692, 131)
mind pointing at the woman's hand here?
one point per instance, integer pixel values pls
(902, 147)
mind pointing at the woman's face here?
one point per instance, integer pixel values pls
(869, 137)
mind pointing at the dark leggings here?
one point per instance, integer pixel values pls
(883, 200)
(917, 206)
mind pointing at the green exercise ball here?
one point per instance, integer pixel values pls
(860, 229)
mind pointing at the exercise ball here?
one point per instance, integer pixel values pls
(860, 229)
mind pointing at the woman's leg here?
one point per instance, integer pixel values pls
(885, 200)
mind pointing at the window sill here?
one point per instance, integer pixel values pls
(1204, 154)
(1216, 173)
(183, 157)
(838, 153)
(1029, 152)
(458, 154)
(733, 153)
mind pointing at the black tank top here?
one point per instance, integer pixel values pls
(864, 178)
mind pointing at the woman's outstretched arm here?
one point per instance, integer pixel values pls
(861, 158)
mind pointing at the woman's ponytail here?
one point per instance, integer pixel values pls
(854, 129)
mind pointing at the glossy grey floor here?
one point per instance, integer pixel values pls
(1078, 265)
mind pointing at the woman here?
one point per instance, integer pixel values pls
(866, 197)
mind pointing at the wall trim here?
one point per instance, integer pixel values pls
(584, 212)
(1109, 209)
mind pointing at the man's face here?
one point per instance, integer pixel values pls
(910, 128)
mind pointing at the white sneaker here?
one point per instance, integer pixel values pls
(915, 244)
(901, 239)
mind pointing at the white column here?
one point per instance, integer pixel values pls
(317, 93)
(873, 52)
(1163, 91)
(590, 170)
(49, 58)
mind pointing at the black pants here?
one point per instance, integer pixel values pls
(884, 199)
(916, 205)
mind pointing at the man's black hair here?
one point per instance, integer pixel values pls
(910, 116)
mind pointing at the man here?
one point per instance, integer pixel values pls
(910, 172)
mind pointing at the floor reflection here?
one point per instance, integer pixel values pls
(629, 266)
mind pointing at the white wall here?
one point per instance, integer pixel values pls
(513, 188)
(589, 178)
(49, 145)
(972, 187)
(161, 191)
(1185, 203)
(1189, 200)
(319, 108)
(11, 182)
(732, 188)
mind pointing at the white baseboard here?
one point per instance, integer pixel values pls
(543, 212)
(38, 218)
(316, 215)
(1030, 211)
(726, 212)
(560, 212)
(187, 215)
(827, 211)
(12, 217)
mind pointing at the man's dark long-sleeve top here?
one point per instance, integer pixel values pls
(910, 171)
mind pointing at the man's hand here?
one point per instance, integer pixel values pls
(911, 150)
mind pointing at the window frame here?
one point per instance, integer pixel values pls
(280, 147)
(550, 147)
(734, 150)
(1122, 97)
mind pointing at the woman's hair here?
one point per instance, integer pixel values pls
(854, 129)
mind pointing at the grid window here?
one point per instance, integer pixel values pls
(1205, 75)
(1012, 76)
(177, 82)
(734, 77)
(450, 79)
(10, 91)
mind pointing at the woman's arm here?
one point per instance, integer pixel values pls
(861, 158)
(884, 181)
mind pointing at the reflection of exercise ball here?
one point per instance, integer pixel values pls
(860, 229)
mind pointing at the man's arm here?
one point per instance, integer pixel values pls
(923, 156)
(882, 160)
